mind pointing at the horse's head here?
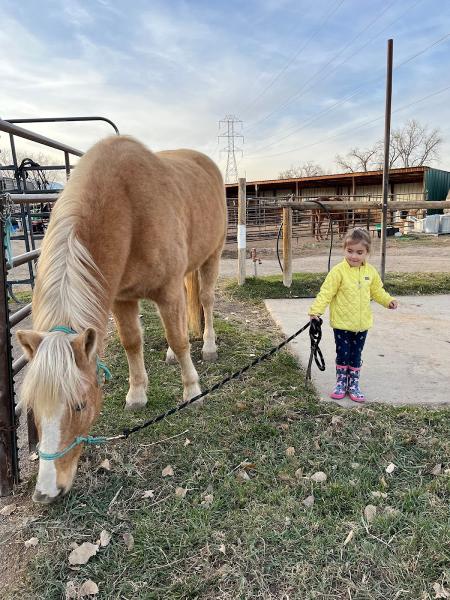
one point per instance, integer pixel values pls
(62, 388)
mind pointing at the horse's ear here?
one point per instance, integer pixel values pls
(85, 345)
(29, 340)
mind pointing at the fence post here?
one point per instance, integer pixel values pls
(9, 466)
(241, 229)
(287, 247)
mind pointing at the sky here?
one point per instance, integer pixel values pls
(307, 79)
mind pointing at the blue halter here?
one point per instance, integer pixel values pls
(102, 371)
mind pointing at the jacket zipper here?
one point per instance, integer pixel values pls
(360, 299)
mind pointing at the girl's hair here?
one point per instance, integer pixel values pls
(354, 236)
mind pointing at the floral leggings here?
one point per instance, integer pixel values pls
(349, 347)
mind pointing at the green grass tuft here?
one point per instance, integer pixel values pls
(307, 285)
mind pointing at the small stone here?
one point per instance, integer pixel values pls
(180, 492)
(377, 494)
(8, 510)
(167, 471)
(309, 501)
(129, 540)
(299, 474)
(242, 475)
(105, 538)
(370, 513)
(319, 477)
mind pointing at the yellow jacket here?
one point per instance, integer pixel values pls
(349, 290)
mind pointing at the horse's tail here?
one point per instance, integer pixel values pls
(194, 307)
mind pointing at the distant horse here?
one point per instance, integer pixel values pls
(129, 224)
(334, 215)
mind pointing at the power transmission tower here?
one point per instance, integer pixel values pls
(230, 127)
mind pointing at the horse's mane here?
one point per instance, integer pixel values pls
(68, 292)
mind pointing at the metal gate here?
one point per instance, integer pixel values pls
(22, 205)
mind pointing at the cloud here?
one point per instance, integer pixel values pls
(169, 74)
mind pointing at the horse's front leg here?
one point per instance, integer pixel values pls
(172, 308)
(126, 314)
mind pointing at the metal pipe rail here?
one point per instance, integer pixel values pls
(22, 259)
(393, 205)
(33, 198)
(12, 129)
(20, 315)
(65, 120)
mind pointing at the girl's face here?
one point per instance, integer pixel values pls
(355, 254)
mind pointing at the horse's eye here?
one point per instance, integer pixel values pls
(80, 407)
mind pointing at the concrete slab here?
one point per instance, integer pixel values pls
(406, 356)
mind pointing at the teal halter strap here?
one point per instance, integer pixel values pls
(102, 369)
(89, 439)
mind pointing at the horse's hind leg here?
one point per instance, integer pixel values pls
(209, 272)
(126, 314)
(172, 308)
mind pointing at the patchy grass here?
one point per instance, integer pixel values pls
(306, 285)
(230, 538)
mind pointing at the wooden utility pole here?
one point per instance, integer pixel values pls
(241, 229)
(387, 139)
(287, 247)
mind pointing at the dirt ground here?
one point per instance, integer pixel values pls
(407, 255)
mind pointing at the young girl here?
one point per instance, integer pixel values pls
(348, 289)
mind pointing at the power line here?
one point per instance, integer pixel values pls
(348, 97)
(302, 90)
(361, 126)
(295, 55)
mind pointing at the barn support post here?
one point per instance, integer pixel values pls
(9, 465)
(287, 247)
(241, 229)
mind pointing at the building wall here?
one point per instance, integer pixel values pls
(408, 192)
(437, 184)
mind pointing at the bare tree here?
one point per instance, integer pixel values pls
(357, 159)
(415, 145)
(410, 146)
(308, 169)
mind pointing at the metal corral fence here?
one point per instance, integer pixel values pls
(264, 216)
(294, 216)
(23, 216)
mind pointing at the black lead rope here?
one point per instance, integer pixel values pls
(315, 335)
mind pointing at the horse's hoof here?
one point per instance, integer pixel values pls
(210, 356)
(134, 406)
(135, 400)
(171, 358)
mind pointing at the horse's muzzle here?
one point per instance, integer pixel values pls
(41, 498)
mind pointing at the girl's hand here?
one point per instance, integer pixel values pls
(314, 317)
(393, 304)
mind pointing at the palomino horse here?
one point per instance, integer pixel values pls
(338, 216)
(129, 224)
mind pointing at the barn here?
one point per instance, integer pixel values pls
(412, 183)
